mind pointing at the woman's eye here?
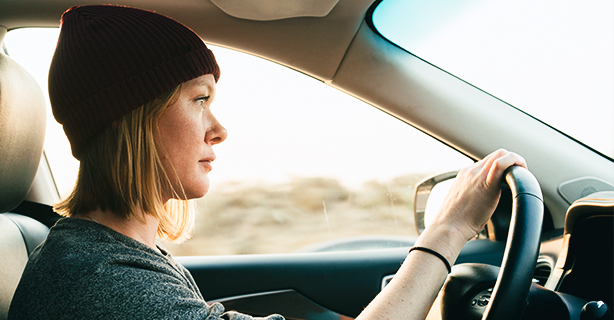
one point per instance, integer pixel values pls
(201, 101)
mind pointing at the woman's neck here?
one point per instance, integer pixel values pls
(143, 230)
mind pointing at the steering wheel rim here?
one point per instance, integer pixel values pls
(510, 293)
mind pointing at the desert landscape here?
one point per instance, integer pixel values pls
(249, 218)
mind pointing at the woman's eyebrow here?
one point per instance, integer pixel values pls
(205, 83)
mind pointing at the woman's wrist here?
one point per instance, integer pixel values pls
(446, 241)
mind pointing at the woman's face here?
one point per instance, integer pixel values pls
(188, 131)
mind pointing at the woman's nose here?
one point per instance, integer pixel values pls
(216, 134)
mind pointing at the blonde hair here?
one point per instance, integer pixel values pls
(121, 171)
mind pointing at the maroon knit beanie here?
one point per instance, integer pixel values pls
(110, 60)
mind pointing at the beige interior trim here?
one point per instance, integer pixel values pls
(2, 34)
(268, 10)
(44, 189)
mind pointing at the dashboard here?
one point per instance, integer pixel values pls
(585, 266)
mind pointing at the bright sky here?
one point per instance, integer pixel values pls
(553, 59)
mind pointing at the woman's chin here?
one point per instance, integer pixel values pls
(199, 191)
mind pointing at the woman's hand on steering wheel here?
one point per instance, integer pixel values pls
(474, 195)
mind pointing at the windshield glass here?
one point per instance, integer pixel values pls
(551, 59)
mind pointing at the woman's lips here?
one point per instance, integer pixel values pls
(207, 162)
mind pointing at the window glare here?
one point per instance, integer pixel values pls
(552, 59)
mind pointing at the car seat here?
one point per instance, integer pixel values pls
(22, 133)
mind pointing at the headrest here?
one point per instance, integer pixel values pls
(22, 132)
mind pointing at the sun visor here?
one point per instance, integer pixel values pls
(267, 10)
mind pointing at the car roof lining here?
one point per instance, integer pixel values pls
(312, 45)
(268, 10)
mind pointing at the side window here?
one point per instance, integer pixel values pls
(305, 166)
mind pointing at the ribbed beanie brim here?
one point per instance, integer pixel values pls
(110, 60)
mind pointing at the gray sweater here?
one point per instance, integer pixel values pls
(85, 270)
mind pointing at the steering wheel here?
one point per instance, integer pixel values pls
(468, 292)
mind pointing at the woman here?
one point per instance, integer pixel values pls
(132, 89)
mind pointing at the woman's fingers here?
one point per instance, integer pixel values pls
(476, 191)
(491, 168)
(498, 164)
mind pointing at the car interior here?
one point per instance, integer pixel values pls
(571, 271)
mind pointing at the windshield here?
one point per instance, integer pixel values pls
(551, 59)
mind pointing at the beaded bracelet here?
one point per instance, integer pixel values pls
(435, 253)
